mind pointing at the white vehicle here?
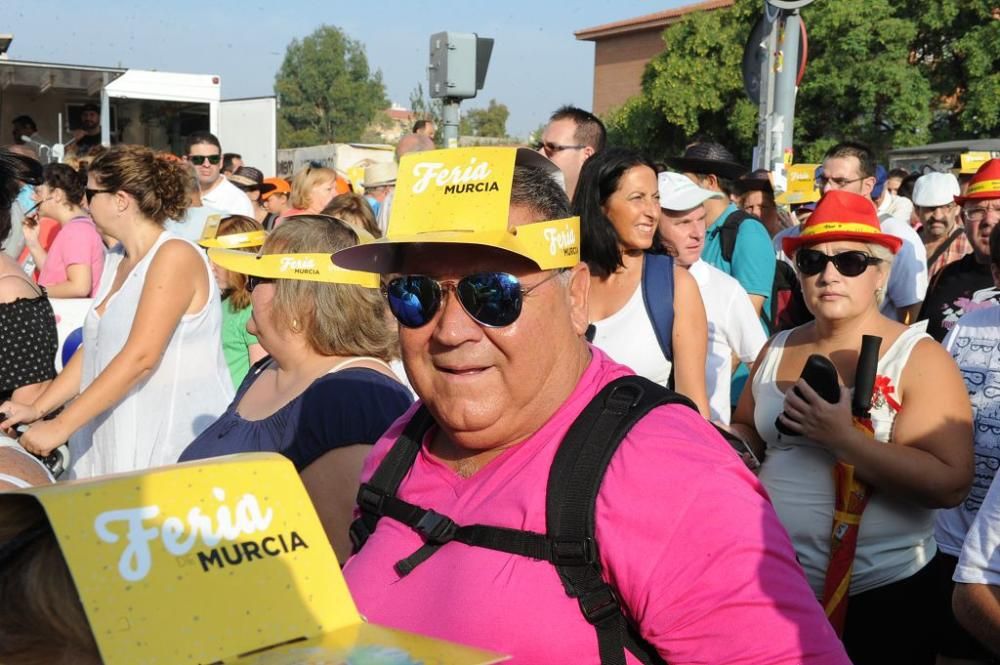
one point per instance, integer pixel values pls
(157, 109)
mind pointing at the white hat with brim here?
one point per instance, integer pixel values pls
(678, 192)
(935, 189)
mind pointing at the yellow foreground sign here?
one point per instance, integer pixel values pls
(218, 561)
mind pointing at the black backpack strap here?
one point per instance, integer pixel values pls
(386, 479)
(574, 482)
(729, 230)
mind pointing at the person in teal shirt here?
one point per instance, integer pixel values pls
(711, 166)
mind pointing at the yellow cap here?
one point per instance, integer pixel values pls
(461, 196)
(305, 267)
(236, 240)
(207, 562)
(801, 185)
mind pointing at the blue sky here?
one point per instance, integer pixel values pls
(537, 64)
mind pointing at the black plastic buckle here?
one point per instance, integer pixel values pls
(436, 528)
(599, 605)
(623, 399)
(574, 552)
(370, 500)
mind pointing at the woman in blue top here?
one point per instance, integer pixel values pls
(325, 394)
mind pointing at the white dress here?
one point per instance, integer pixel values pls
(161, 415)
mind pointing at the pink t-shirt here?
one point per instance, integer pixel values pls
(687, 537)
(77, 243)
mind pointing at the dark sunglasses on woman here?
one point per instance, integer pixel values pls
(493, 299)
(849, 264)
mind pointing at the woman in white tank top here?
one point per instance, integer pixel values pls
(150, 374)
(618, 201)
(920, 457)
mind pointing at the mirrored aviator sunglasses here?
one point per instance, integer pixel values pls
(493, 299)
(849, 264)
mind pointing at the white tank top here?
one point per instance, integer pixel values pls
(161, 415)
(896, 538)
(629, 338)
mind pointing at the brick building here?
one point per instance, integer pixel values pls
(622, 49)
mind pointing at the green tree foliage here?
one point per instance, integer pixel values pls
(490, 121)
(956, 48)
(881, 71)
(326, 90)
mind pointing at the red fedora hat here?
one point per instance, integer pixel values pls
(842, 215)
(985, 184)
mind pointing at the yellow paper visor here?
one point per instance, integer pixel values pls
(305, 267)
(236, 240)
(550, 245)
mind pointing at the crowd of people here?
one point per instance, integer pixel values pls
(601, 408)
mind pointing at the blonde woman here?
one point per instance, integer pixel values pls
(312, 190)
(919, 458)
(239, 346)
(150, 374)
(326, 393)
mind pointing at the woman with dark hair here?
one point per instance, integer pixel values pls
(28, 340)
(618, 202)
(72, 266)
(150, 374)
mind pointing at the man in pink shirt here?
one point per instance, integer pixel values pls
(693, 563)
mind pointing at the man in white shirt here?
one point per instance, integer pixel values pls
(205, 152)
(733, 326)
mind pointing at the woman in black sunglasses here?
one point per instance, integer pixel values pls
(919, 459)
(150, 374)
(618, 201)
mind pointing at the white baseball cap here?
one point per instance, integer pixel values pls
(678, 192)
(935, 189)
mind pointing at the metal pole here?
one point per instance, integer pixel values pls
(105, 111)
(767, 82)
(782, 129)
(451, 118)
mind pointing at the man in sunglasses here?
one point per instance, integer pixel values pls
(204, 151)
(491, 298)
(571, 138)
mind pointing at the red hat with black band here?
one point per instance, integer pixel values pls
(842, 215)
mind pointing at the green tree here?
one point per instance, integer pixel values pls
(859, 82)
(490, 121)
(956, 48)
(326, 90)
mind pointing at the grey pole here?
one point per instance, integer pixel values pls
(450, 118)
(767, 87)
(105, 111)
(783, 123)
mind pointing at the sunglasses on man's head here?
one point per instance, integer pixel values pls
(493, 299)
(198, 160)
(849, 264)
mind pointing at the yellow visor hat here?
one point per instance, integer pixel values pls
(212, 562)
(210, 236)
(461, 196)
(305, 267)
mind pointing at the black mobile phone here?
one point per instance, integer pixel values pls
(821, 376)
(741, 447)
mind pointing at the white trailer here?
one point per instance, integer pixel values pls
(157, 109)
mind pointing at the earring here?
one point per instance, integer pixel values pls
(295, 326)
